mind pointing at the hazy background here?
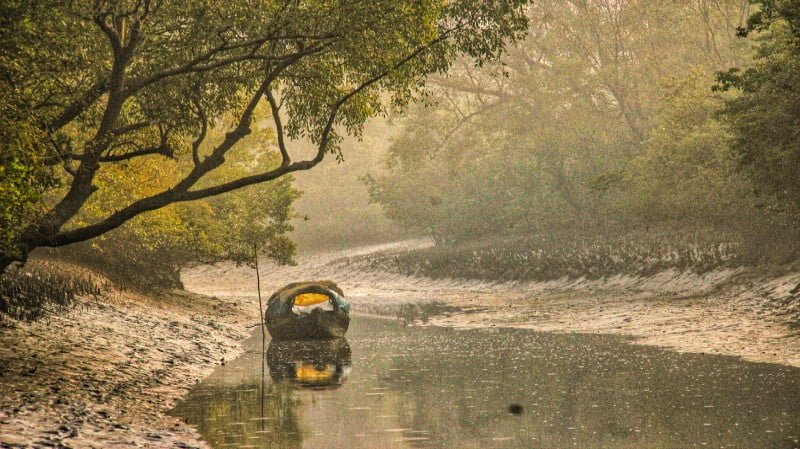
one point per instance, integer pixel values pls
(609, 141)
(335, 210)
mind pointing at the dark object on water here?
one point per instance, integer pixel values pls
(515, 409)
(298, 312)
(318, 365)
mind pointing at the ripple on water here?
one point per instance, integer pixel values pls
(404, 387)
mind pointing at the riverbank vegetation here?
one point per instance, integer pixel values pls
(148, 253)
(122, 122)
(28, 294)
(620, 138)
(579, 139)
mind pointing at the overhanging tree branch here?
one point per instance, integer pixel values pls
(231, 51)
(206, 62)
(79, 105)
(82, 188)
(181, 193)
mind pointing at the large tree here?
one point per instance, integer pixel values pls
(107, 81)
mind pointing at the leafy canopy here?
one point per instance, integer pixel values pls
(107, 82)
(150, 250)
(765, 118)
(602, 118)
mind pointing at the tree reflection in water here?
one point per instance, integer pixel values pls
(247, 414)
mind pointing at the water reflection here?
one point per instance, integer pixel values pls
(432, 387)
(242, 411)
(316, 364)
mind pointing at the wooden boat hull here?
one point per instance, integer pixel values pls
(316, 325)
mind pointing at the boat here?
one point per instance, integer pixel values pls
(307, 311)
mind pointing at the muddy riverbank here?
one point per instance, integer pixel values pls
(104, 374)
(753, 314)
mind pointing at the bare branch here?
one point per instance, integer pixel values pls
(276, 117)
(203, 131)
(162, 149)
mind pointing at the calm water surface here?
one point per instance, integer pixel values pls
(390, 386)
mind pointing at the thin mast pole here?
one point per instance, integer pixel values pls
(258, 285)
(260, 303)
(263, 334)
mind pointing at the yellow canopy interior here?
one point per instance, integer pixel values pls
(309, 299)
(307, 372)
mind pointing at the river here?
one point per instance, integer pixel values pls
(392, 386)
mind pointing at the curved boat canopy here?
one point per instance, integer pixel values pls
(306, 294)
(291, 311)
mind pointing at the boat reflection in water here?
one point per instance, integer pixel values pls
(442, 388)
(310, 364)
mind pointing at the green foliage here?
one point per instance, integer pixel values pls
(23, 175)
(601, 119)
(148, 252)
(689, 148)
(603, 122)
(110, 83)
(772, 11)
(765, 118)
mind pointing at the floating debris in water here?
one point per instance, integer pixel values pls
(515, 409)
